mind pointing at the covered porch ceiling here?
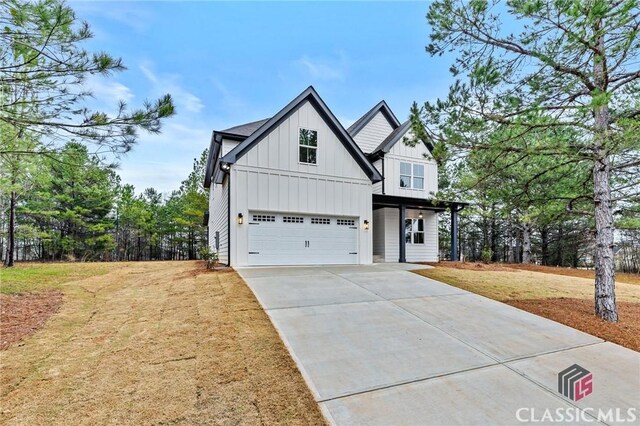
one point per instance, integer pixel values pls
(382, 201)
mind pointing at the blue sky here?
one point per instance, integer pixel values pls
(228, 63)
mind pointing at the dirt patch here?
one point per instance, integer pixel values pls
(578, 313)
(23, 314)
(155, 343)
(201, 268)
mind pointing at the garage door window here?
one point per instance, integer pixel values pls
(263, 218)
(346, 222)
(320, 221)
(293, 219)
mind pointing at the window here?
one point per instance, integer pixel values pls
(346, 222)
(411, 176)
(308, 145)
(414, 231)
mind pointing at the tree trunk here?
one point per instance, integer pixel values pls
(559, 245)
(494, 235)
(544, 235)
(526, 243)
(605, 296)
(511, 258)
(11, 232)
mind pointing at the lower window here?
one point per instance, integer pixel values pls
(414, 231)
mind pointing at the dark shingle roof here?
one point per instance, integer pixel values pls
(245, 129)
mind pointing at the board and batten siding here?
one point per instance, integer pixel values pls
(269, 178)
(372, 135)
(427, 252)
(228, 145)
(400, 152)
(218, 202)
(379, 233)
(377, 187)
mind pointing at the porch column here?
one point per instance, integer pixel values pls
(403, 251)
(454, 233)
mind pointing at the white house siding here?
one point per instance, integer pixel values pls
(377, 187)
(269, 178)
(400, 152)
(218, 202)
(372, 135)
(227, 145)
(378, 228)
(427, 252)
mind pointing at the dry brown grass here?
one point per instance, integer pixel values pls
(505, 283)
(155, 343)
(563, 298)
(621, 277)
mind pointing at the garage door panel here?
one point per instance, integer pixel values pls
(289, 239)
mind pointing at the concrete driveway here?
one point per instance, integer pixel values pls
(381, 345)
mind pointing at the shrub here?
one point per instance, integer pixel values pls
(208, 256)
(486, 255)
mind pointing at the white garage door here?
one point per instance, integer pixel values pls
(290, 239)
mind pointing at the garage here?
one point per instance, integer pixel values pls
(292, 239)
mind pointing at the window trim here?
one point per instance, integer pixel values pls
(414, 231)
(299, 145)
(412, 176)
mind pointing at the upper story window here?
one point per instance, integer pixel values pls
(308, 145)
(411, 176)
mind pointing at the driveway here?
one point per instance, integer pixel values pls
(381, 345)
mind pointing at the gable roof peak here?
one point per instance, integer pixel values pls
(309, 94)
(381, 107)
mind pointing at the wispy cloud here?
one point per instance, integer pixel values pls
(135, 16)
(108, 91)
(227, 99)
(171, 83)
(324, 68)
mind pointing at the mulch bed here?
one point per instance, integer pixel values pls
(23, 314)
(578, 313)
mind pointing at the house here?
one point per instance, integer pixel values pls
(298, 188)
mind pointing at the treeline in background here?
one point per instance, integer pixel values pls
(71, 206)
(487, 236)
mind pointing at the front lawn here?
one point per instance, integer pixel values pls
(153, 343)
(556, 294)
(30, 277)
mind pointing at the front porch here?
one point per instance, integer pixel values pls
(406, 229)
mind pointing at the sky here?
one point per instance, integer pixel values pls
(228, 63)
